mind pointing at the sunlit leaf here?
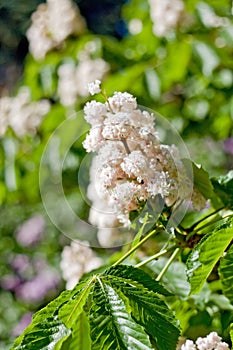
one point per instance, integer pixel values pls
(70, 312)
(226, 275)
(80, 338)
(206, 254)
(119, 308)
(44, 335)
(136, 277)
(146, 306)
(111, 325)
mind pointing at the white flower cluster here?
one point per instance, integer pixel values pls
(131, 164)
(211, 342)
(209, 17)
(52, 23)
(77, 259)
(102, 214)
(22, 114)
(73, 79)
(165, 15)
(94, 87)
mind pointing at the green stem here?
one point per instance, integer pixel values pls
(155, 256)
(206, 225)
(103, 92)
(164, 270)
(203, 219)
(134, 248)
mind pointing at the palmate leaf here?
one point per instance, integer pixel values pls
(153, 314)
(80, 338)
(146, 306)
(41, 316)
(46, 316)
(137, 277)
(70, 312)
(226, 275)
(119, 308)
(206, 254)
(112, 327)
(44, 335)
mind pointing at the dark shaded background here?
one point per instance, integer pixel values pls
(102, 17)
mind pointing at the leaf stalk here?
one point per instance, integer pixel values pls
(135, 247)
(165, 268)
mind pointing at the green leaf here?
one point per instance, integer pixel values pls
(115, 309)
(153, 314)
(231, 332)
(223, 187)
(122, 80)
(147, 308)
(45, 315)
(40, 316)
(175, 278)
(206, 254)
(139, 234)
(179, 52)
(201, 178)
(80, 338)
(226, 276)
(44, 335)
(136, 277)
(111, 325)
(70, 312)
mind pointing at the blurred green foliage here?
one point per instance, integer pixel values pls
(186, 76)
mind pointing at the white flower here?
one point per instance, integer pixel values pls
(135, 164)
(209, 17)
(159, 184)
(94, 87)
(21, 114)
(5, 107)
(211, 342)
(189, 345)
(125, 196)
(165, 15)
(110, 237)
(77, 259)
(95, 112)
(74, 78)
(93, 140)
(52, 23)
(135, 26)
(131, 165)
(67, 84)
(122, 102)
(88, 70)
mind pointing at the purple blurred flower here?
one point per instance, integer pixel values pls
(37, 288)
(228, 145)
(31, 231)
(23, 323)
(10, 282)
(20, 262)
